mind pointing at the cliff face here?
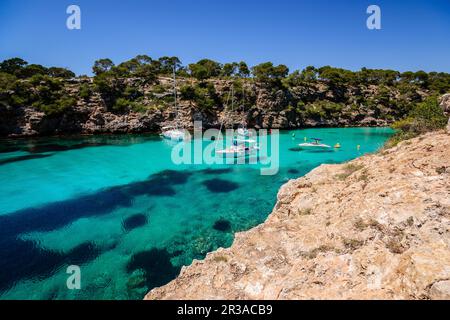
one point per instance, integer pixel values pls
(267, 107)
(376, 227)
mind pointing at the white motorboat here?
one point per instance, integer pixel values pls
(315, 145)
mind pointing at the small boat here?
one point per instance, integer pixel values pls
(244, 140)
(173, 134)
(315, 145)
(242, 132)
(237, 151)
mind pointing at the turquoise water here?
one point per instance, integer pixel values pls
(120, 209)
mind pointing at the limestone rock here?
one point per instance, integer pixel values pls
(445, 105)
(440, 290)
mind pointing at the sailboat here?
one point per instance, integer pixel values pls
(242, 131)
(242, 145)
(173, 132)
(236, 151)
(243, 134)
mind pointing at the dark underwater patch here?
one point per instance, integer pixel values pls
(54, 147)
(320, 151)
(177, 253)
(134, 221)
(295, 149)
(216, 171)
(293, 171)
(23, 259)
(220, 185)
(7, 149)
(222, 225)
(156, 265)
(82, 254)
(14, 253)
(159, 184)
(23, 158)
(56, 215)
(168, 177)
(150, 188)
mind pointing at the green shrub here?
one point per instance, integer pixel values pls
(138, 107)
(85, 92)
(121, 105)
(56, 108)
(158, 89)
(204, 96)
(427, 116)
(424, 117)
(187, 92)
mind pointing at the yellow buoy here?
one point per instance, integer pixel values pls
(337, 145)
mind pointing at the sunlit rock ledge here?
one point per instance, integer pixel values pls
(377, 227)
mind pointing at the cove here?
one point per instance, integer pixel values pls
(118, 207)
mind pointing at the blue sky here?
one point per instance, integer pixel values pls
(415, 34)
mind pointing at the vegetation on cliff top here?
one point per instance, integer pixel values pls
(344, 93)
(424, 117)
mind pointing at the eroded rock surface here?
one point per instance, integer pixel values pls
(377, 227)
(445, 105)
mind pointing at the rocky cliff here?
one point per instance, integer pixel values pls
(377, 227)
(308, 105)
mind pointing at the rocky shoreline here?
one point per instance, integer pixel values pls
(377, 227)
(269, 108)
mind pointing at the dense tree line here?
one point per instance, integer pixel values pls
(23, 84)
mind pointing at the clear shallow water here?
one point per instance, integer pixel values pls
(118, 207)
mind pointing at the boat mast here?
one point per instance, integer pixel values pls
(175, 95)
(244, 118)
(232, 98)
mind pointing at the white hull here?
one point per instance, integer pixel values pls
(174, 135)
(236, 152)
(244, 140)
(314, 146)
